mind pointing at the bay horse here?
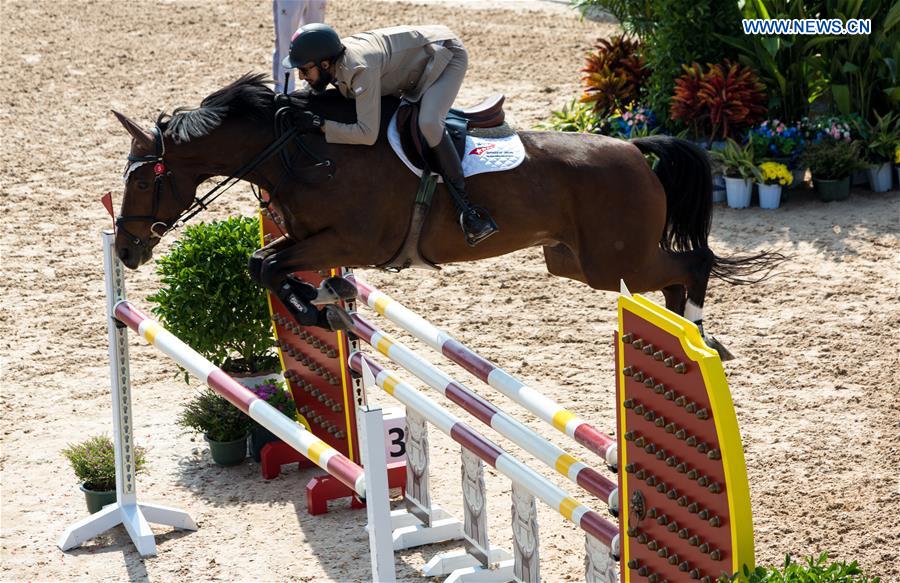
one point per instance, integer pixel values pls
(600, 211)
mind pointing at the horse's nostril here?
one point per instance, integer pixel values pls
(123, 253)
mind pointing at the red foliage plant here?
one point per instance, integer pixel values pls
(720, 102)
(614, 74)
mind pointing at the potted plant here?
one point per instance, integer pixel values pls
(224, 426)
(831, 165)
(740, 172)
(208, 299)
(94, 463)
(774, 176)
(276, 394)
(718, 102)
(897, 161)
(779, 142)
(879, 147)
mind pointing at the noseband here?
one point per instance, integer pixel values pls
(200, 203)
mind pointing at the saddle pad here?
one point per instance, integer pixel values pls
(482, 154)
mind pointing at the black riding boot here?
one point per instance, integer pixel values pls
(475, 221)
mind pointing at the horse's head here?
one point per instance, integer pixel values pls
(159, 188)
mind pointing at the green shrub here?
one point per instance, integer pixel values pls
(815, 571)
(832, 161)
(216, 418)
(209, 300)
(94, 462)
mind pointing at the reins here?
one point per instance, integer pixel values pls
(285, 132)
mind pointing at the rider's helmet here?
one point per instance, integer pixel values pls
(313, 42)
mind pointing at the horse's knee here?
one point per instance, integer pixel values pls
(263, 267)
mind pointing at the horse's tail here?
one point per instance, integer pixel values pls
(684, 171)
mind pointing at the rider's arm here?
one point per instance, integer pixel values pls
(366, 87)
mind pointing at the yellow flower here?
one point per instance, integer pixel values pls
(776, 173)
(897, 155)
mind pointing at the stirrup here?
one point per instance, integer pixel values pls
(488, 225)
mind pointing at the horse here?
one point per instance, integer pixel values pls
(602, 213)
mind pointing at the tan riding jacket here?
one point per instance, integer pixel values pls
(402, 61)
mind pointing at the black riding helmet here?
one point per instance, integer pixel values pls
(313, 42)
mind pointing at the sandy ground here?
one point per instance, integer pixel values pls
(816, 387)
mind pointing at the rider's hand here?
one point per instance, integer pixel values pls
(307, 121)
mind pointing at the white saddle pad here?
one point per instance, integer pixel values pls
(481, 154)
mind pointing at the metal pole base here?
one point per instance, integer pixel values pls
(134, 517)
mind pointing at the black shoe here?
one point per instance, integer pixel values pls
(477, 225)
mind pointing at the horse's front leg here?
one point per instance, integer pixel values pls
(273, 265)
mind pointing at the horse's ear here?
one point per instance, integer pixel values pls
(142, 136)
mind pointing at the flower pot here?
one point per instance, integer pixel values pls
(738, 191)
(96, 500)
(250, 380)
(259, 437)
(830, 190)
(799, 175)
(227, 453)
(859, 178)
(880, 179)
(769, 196)
(718, 192)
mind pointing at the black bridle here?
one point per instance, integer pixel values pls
(283, 130)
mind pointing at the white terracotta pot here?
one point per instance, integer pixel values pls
(769, 196)
(718, 193)
(880, 179)
(738, 191)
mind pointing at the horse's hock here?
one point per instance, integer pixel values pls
(680, 493)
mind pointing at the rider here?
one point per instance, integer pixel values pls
(425, 64)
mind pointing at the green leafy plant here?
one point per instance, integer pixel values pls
(737, 161)
(816, 570)
(673, 32)
(862, 69)
(883, 137)
(94, 462)
(614, 74)
(719, 102)
(574, 117)
(208, 299)
(790, 66)
(832, 161)
(216, 418)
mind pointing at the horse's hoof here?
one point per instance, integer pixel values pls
(724, 353)
(334, 290)
(338, 320)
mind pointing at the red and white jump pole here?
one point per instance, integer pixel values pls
(543, 407)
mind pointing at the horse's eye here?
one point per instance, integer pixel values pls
(143, 184)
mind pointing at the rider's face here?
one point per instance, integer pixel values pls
(317, 78)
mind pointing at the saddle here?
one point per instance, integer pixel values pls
(487, 114)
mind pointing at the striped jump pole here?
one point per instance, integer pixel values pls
(535, 402)
(588, 520)
(486, 412)
(292, 433)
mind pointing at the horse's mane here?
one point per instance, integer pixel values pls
(250, 96)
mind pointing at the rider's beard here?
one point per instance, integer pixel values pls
(321, 84)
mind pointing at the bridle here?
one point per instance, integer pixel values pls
(199, 203)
